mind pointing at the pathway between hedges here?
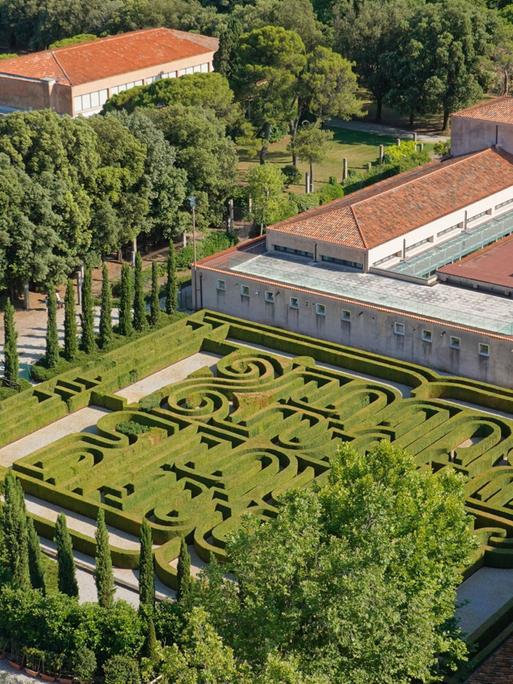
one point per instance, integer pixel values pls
(84, 420)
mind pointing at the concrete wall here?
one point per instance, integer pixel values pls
(318, 248)
(471, 135)
(368, 328)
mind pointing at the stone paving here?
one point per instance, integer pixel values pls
(482, 594)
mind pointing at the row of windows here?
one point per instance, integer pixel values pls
(419, 243)
(480, 215)
(454, 342)
(199, 68)
(290, 250)
(504, 204)
(450, 229)
(95, 100)
(343, 262)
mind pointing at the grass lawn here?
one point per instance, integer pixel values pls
(359, 148)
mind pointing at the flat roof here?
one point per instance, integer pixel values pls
(498, 110)
(105, 57)
(492, 265)
(465, 308)
(393, 207)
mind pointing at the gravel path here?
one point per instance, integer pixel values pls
(382, 129)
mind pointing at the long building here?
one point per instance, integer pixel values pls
(79, 79)
(367, 270)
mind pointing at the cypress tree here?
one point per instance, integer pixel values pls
(125, 301)
(52, 336)
(11, 360)
(103, 574)
(146, 576)
(151, 641)
(171, 285)
(87, 341)
(139, 304)
(184, 579)
(65, 561)
(70, 323)
(15, 535)
(35, 557)
(106, 310)
(155, 301)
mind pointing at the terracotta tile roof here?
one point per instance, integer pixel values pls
(110, 56)
(500, 110)
(397, 205)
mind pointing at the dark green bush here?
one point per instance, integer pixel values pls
(132, 428)
(292, 174)
(121, 670)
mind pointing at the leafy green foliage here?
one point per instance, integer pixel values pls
(73, 40)
(265, 187)
(70, 322)
(155, 295)
(171, 284)
(131, 428)
(66, 563)
(121, 670)
(103, 575)
(184, 579)
(87, 340)
(14, 532)
(381, 544)
(11, 359)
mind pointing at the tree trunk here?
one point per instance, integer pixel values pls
(445, 123)
(263, 153)
(311, 178)
(506, 82)
(379, 108)
(412, 118)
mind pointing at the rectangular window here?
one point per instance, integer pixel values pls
(480, 215)
(204, 68)
(346, 315)
(427, 336)
(181, 72)
(504, 204)
(399, 328)
(95, 99)
(294, 303)
(103, 97)
(221, 286)
(320, 309)
(454, 342)
(189, 70)
(290, 250)
(450, 229)
(86, 101)
(114, 90)
(244, 290)
(77, 104)
(269, 297)
(419, 243)
(197, 69)
(484, 349)
(343, 262)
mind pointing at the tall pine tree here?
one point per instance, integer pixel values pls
(15, 535)
(66, 572)
(11, 360)
(103, 573)
(171, 284)
(125, 301)
(87, 341)
(35, 557)
(155, 300)
(184, 579)
(52, 336)
(70, 323)
(105, 338)
(146, 574)
(139, 303)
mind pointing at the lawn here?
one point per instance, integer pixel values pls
(359, 147)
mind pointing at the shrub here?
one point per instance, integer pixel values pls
(292, 174)
(132, 428)
(121, 670)
(331, 191)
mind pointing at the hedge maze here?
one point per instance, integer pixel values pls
(195, 456)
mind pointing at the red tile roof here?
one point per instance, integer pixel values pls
(492, 265)
(110, 56)
(499, 110)
(397, 205)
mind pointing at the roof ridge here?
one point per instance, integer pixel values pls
(61, 67)
(453, 161)
(114, 36)
(359, 227)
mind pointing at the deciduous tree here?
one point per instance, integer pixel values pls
(311, 144)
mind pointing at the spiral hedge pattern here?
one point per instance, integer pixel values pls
(230, 441)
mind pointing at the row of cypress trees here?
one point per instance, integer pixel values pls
(132, 309)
